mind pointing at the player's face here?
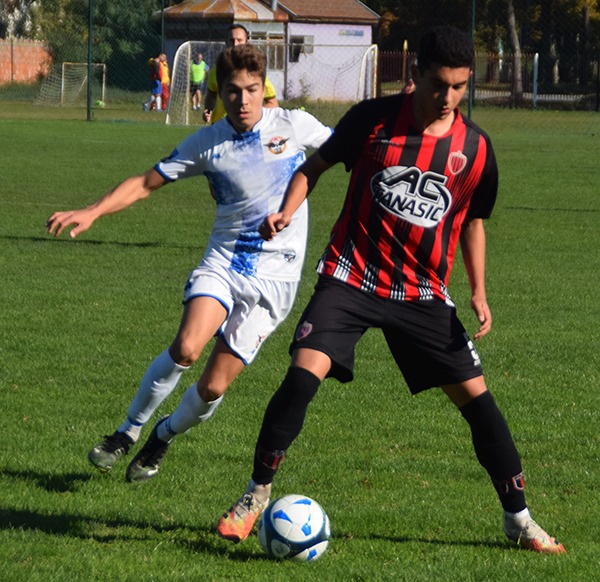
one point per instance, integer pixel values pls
(236, 36)
(242, 96)
(439, 90)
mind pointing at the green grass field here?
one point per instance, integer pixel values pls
(81, 320)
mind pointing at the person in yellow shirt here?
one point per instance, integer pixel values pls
(213, 106)
(165, 80)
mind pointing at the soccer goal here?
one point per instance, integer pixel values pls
(336, 73)
(179, 110)
(66, 84)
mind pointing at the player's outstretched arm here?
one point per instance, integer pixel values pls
(472, 241)
(122, 196)
(301, 185)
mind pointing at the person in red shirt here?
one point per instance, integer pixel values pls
(423, 179)
(154, 103)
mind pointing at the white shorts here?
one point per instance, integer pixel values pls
(255, 307)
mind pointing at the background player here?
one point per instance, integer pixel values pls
(154, 103)
(423, 178)
(213, 105)
(243, 287)
(198, 70)
(165, 80)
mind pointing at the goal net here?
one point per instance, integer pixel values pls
(66, 84)
(304, 72)
(179, 110)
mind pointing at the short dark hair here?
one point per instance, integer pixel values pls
(241, 27)
(446, 46)
(238, 58)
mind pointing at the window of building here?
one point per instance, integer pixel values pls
(273, 46)
(300, 45)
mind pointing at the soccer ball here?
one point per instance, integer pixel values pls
(100, 103)
(294, 527)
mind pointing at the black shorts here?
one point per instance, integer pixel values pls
(195, 87)
(426, 338)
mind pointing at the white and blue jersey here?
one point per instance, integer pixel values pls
(248, 175)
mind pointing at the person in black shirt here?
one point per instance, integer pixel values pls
(423, 179)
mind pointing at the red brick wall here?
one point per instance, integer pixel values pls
(22, 61)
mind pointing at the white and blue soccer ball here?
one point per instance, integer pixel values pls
(294, 527)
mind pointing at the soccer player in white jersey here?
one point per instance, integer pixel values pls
(244, 287)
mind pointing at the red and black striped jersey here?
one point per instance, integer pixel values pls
(407, 199)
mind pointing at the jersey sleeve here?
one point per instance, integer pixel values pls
(349, 136)
(185, 161)
(310, 132)
(484, 198)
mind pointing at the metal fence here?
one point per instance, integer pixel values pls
(495, 83)
(561, 73)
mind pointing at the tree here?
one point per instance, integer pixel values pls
(565, 33)
(408, 19)
(63, 24)
(517, 84)
(15, 18)
(124, 35)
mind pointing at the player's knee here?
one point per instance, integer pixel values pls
(184, 351)
(211, 388)
(299, 386)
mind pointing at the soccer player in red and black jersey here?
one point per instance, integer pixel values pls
(423, 178)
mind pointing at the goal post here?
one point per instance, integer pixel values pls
(179, 109)
(66, 84)
(367, 81)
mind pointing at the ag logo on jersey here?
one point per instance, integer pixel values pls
(420, 198)
(277, 144)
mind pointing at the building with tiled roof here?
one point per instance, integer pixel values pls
(299, 37)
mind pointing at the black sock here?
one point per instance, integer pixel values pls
(496, 450)
(283, 421)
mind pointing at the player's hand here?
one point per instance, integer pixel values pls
(206, 115)
(82, 219)
(408, 88)
(484, 316)
(273, 224)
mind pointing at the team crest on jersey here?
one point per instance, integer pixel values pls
(418, 197)
(277, 145)
(303, 331)
(457, 162)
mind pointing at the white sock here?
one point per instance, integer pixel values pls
(160, 379)
(132, 430)
(519, 518)
(192, 410)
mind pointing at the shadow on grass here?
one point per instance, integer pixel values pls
(107, 531)
(196, 539)
(67, 483)
(67, 239)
